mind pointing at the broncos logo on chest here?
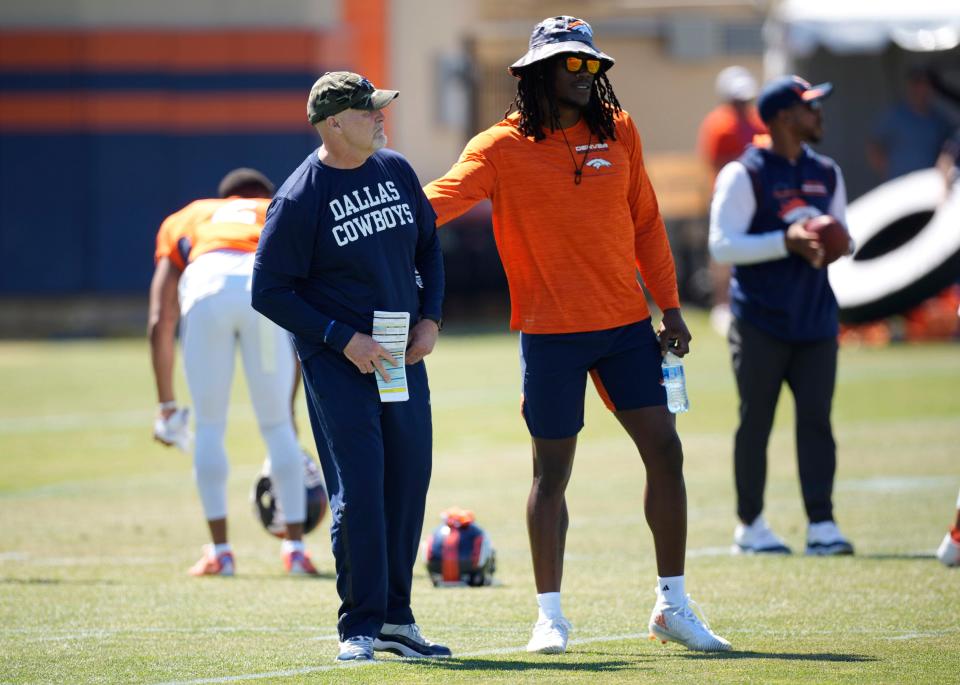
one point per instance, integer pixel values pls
(598, 163)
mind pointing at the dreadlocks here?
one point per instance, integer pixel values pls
(535, 88)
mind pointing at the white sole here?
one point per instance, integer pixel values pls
(404, 651)
(736, 549)
(829, 552)
(657, 633)
(548, 649)
(299, 572)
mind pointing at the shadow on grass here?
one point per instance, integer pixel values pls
(479, 664)
(260, 577)
(904, 556)
(785, 656)
(57, 581)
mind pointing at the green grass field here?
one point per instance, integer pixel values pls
(98, 525)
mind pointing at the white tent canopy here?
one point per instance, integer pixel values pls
(798, 27)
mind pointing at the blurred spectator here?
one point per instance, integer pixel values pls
(724, 133)
(948, 163)
(936, 318)
(909, 135)
(731, 125)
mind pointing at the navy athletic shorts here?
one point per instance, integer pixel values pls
(624, 363)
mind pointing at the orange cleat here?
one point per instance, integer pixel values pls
(211, 564)
(298, 564)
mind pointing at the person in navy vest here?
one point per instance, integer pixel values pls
(349, 234)
(784, 313)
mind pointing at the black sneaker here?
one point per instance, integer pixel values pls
(406, 640)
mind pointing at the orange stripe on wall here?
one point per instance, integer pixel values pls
(366, 23)
(154, 111)
(176, 50)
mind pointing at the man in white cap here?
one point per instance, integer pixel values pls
(731, 125)
(724, 134)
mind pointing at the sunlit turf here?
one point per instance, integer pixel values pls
(98, 525)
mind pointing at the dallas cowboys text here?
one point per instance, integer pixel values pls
(371, 220)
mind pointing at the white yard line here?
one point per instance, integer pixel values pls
(120, 560)
(895, 484)
(920, 636)
(498, 651)
(63, 422)
(318, 669)
(29, 635)
(239, 411)
(58, 423)
(24, 558)
(709, 552)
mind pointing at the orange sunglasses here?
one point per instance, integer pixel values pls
(575, 65)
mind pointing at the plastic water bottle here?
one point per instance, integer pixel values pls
(675, 383)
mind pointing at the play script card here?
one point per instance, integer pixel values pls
(391, 329)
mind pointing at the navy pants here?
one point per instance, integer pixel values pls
(376, 459)
(761, 364)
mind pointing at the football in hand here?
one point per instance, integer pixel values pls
(832, 235)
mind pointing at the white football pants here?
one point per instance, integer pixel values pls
(217, 317)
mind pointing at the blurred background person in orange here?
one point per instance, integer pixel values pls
(724, 133)
(731, 125)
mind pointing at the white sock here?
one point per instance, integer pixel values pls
(672, 589)
(220, 549)
(292, 546)
(549, 603)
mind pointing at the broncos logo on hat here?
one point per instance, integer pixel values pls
(580, 26)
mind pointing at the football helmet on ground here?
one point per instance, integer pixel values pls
(266, 505)
(458, 552)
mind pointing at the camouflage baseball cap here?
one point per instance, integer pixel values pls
(336, 91)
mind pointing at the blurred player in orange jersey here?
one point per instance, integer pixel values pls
(204, 263)
(575, 216)
(724, 134)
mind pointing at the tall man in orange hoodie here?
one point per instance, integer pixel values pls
(574, 216)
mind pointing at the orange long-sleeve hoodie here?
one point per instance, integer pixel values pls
(570, 251)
